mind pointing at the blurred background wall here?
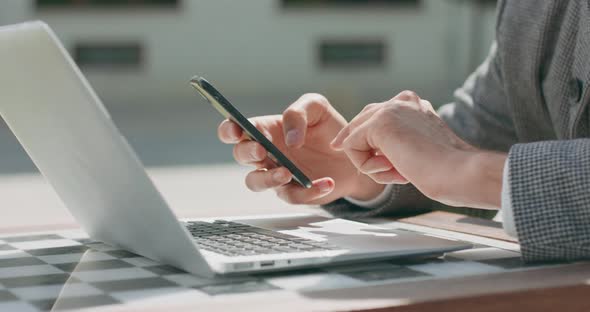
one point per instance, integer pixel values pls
(262, 54)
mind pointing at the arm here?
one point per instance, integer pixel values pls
(549, 184)
(479, 116)
(545, 184)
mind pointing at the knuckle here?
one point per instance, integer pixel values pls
(369, 107)
(293, 112)
(426, 105)
(240, 152)
(256, 151)
(409, 94)
(394, 104)
(268, 180)
(316, 98)
(316, 102)
(386, 113)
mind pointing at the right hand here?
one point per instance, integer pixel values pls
(303, 133)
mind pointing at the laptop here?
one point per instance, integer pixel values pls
(67, 132)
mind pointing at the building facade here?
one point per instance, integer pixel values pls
(143, 52)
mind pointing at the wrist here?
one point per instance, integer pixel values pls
(365, 188)
(479, 178)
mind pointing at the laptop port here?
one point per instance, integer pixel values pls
(243, 266)
(265, 264)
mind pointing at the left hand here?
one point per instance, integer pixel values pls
(404, 140)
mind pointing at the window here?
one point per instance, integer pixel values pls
(109, 55)
(348, 3)
(489, 2)
(75, 4)
(352, 53)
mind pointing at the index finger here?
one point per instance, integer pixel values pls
(358, 120)
(357, 146)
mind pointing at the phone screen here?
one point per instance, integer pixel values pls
(228, 111)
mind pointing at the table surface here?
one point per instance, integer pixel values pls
(29, 205)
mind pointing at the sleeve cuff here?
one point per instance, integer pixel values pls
(506, 212)
(375, 202)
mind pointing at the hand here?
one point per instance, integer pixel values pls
(404, 140)
(303, 133)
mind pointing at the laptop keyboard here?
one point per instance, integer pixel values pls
(237, 239)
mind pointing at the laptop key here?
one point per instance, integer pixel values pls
(236, 239)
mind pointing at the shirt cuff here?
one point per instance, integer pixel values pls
(375, 202)
(506, 212)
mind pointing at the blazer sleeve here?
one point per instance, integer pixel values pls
(479, 115)
(549, 185)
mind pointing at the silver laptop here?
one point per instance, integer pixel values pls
(65, 129)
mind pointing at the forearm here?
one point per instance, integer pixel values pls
(479, 180)
(473, 179)
(465, 177)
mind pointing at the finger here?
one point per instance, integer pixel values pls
(306, 112)
(428, 106)
(376, 164)
(260, 128)
(229, 132)
(408, 95)
(295, 194)
(261, 123)
(363, 116)
(389, 177)
(249, 152)
(261, 180)
(357, 146)
(267, 164)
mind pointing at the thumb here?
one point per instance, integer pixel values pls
(306, 112)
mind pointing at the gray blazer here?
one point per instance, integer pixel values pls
(529, 98)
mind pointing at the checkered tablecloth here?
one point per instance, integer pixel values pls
(66, 270)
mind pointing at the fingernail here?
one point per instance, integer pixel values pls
(293, 137)
(325, 186)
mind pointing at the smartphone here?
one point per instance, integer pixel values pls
(214, 97)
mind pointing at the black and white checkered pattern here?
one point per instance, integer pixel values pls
(533, 87)
(66, 270)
